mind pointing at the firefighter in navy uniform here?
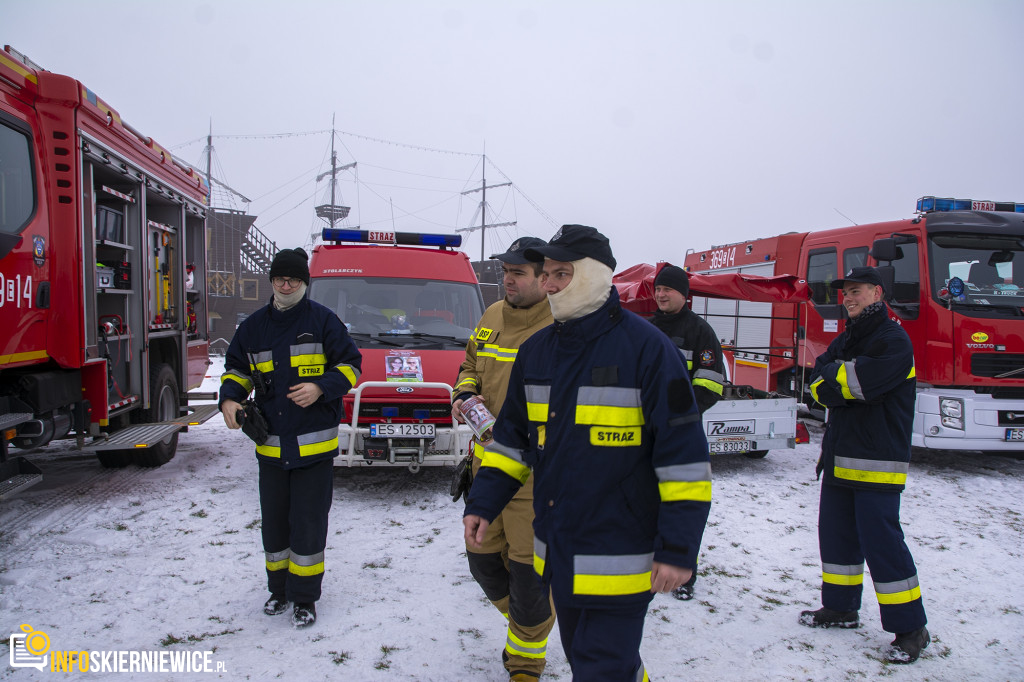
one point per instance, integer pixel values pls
(600, 409)
(303, 356)
(503, 564)
(697, 341)
(866, 379)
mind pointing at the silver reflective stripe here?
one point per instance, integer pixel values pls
(538, 394)
(710, 375)
(511, 453)
(260, 358)
(317, 436)
(852, 381)
(273, 557)
(897, 586)
(608, 396)
(539, 548)
(273, 441)
(698, 471)
(612, 564)
(239, 374)
(537, 650)
(307, 349)
(886, 466)
(843, 569)
(341, 368)
(499, 353)
(641, 673)
(688, 354)
(308, 559)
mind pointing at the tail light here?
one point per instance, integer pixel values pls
(802, 435)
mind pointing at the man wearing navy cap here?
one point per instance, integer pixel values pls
(599, 409)
(866, 379)
(503, 563)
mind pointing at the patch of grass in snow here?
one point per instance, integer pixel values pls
(994, 642)
(385, 563)
(722, 572)
(170, 639)
(339, 657)
(1007, 610)
(201, 514)
(392, 522)
(255, 523)
(472, 632)
(708, 606)
(120, 526)
(217, 543)
(385, 663)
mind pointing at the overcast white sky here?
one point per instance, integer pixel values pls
(667, 125)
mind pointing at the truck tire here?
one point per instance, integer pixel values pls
(163, 406)
(755, 454)
(114, 459)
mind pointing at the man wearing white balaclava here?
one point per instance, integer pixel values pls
(600, 409)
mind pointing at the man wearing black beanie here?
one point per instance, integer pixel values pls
(298, 358)
(698, 343)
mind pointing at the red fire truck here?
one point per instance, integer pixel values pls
(102, 274)
(410, 302)
(953, 280)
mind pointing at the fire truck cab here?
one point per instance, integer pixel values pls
(954, 280)
(102, 274)
(410, 303)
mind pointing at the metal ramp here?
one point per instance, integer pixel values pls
(148, 435)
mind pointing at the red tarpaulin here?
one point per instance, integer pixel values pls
(636, 287)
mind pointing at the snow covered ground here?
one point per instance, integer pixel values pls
(169, 559)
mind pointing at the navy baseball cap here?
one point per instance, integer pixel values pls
(574, 242)
(514, 254)
(863, 274)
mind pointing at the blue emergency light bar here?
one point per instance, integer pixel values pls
(333, 234)
(929, 204)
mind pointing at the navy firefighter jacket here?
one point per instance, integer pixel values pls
(601, 410)
(306, 343)
(866, 378)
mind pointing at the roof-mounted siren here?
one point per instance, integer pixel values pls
(929, 204)
(442, 241)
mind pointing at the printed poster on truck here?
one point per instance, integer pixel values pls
(402, 365)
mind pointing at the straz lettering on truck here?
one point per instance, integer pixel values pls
(730, 428)
(15, 291)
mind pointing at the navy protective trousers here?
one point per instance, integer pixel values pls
(603, 644)
(858, 525)
(295, 505)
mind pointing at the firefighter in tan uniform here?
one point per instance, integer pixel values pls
(503, 564)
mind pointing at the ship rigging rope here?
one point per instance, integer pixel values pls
(380, 140)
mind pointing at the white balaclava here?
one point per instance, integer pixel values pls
(589, 289)
(283, 302)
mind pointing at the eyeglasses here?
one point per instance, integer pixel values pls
(282, 281)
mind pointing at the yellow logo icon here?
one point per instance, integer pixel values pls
(979, 337)
(28, 650)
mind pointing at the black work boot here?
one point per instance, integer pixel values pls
(276, 605)
(304, 615)
(827, 618)
(907, 646)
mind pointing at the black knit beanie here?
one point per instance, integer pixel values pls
(673, 277)
(290, 263)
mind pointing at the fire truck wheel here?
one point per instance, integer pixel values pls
(114, 459)
(163, 406)
(755, 454)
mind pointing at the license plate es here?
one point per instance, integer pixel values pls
(401, 430)
(1015, 435)
(720, 446)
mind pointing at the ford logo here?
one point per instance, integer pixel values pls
(405, 389)
(979, 337)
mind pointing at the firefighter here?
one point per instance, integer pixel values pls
(503, 564)
(866, 379)
(702, 352)
(298, 357)
(599, 407)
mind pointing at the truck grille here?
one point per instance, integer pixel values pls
(405, 410)
(994, 364)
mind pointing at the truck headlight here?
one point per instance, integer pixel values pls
(952, 411)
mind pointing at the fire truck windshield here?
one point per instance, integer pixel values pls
(991, 267)
(397, 307)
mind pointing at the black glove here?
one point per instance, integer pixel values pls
(819, 467)
(462, 479)
(254, 424)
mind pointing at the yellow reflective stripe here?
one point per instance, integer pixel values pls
(814, 389)
(466, 384)
(309, 359)
(478, 450)
(538, 564)
(712, 386)
(611, 585)
(537, 412)
(496, 460)
(277, 565)
(296, 569)
(680, 491)
(607, 415)
(269, 450)
(516, 646)
(843, 382)
(277, 561)
(22, 357)
(609, 436)
(349, 373)
(888, 477)
(913, 372)
(497, 352)
(542, 434)
(244, 382)
(899, 597)
(840, 579)
(264, 367)
(318, 448)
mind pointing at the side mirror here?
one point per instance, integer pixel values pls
(885, 250)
